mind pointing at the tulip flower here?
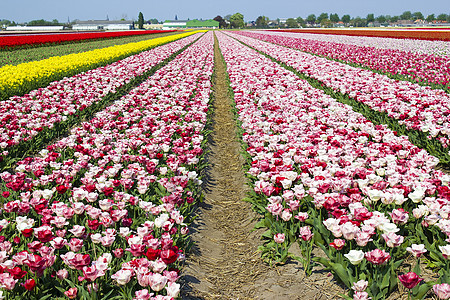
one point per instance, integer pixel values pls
(410, 279)
(355, 256)
(442, 290)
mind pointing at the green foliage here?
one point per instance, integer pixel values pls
(141, 20)
(311, 19)
(418, 15)
(43, 22)
(237, 20)
(442, 17)
(407, 15)
(334, 18)
(321, 17)
(222, 22)
(346, 19)
(262, 21)
(431, 18)
(291, 23)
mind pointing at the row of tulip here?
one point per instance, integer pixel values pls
(29, 121)
(39, 39)
(430, 34)
(24, 55)
(103, 213)
(408, 45)
(323, 174)
(22, 78)
(428, 69)
(418, 108)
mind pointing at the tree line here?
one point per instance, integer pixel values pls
(327, 20)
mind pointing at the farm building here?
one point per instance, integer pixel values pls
(103, 25)
(182, 24)
(34, 28)
(212, 24)
(174, 24)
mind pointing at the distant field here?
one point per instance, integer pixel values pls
(21, 40)
(431, 34)
(22, 55)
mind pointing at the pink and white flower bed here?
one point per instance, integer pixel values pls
(420, 67)
(326, 174)
(417, 107)
(102, 212)
(435, 47)
(22, 118)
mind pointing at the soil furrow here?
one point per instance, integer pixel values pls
(224, 262)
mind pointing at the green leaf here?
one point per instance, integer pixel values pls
(385, 282)
(268, 234)
(423, 290)
(260, 224)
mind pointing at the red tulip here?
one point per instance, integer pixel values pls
(410, 279)
(152, 254)
(29, 284)
(168, 256)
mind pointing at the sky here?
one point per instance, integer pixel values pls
(62, 10)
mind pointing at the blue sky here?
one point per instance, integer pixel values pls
(26, 10)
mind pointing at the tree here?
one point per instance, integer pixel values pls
(5, 22)
(394, 19)
(262, 21)
(222, 22)
(43, 22)
(370, 18)
(345, 19)
(322, 17)
(311, 19)
(291, 23)
(300, 21)
(407, 15)
(237, 20)
(141, 20)
(358, 22)
(431, 18)
(418, 16)
(442, 17)
(381, 19)
(326, 23)
(334, 18)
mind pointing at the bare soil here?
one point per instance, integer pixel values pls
(224, 262)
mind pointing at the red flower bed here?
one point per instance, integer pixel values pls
(424, 34)
(21, 40)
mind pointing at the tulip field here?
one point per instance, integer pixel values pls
(41, 39)
(345, 144)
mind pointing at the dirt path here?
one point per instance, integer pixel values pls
(224, 262)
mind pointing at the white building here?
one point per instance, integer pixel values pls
(174, 24)
(103, 25)
(34, 28)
